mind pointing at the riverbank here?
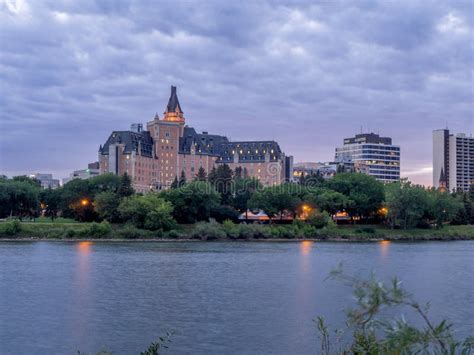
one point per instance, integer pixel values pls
(31, 231)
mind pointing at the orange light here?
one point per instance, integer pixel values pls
(84, 202)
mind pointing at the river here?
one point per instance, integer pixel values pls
(217, 298)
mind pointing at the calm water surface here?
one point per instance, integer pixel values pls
(218, 298)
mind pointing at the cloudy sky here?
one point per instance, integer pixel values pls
(305, 75)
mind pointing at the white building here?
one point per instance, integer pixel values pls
(91, 171)
(46, 180)
(372, 155)
(453, 160)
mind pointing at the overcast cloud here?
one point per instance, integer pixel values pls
(305, 75)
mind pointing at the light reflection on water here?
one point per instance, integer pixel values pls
(384, 248)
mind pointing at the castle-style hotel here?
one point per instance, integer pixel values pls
(168, 147)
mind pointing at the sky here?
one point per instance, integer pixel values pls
(307, 74)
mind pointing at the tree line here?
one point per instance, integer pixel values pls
(224, 194)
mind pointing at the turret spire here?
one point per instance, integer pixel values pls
(173, 102)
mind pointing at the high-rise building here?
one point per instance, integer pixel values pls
(155, 156)
(372, 155)
(453, 160)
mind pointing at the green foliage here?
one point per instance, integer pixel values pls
(10, 228)
(411, 205)
(175, 183)
(148, 211)
(192, 202)
(222, 182)
(50, 201)
(156, 347)
(18, 197)
(373, 334)
(319, 219)
(130, 232)
(182, 179)
(125, 189)
(208, 231)
(98, 230)
(443, 207)
(106, 206)
(276, 200)
(201, 174)
(242, 191)
(364, 193)
(406, 203)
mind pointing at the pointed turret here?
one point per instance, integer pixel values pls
(173, 102)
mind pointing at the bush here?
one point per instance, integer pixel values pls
(130, 232)
(208, 231)
(10, 228)
(319, 219)
(99, 229)
(173, 234)
(231, 229)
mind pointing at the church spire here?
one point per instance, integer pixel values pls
(442, 180)
(173, 109)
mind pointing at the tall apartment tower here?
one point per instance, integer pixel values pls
(372, 155)
(453, 160)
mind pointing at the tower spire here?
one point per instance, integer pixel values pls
(173, 109)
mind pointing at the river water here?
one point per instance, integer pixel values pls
(217, 298)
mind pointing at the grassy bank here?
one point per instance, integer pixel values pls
(226, 231)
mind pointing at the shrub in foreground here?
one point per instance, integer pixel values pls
(372, 333)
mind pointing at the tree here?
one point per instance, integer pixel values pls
(49, 202)
(238, 173)
(212, 176)
(275, 200)
(104, 182)
(18, 197)
(443, 206)
(148, 211)
(175, 183)
(223, 183)
(182, 179)
(193, 202)
(77, 197)
(365, 192)
(201, 174)
(406, 203)
(328, 200)
(106, 206)
(242, 191)
(125, 189)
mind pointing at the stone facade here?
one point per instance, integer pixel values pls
(155, 156)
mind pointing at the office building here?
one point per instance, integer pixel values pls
(372, 155)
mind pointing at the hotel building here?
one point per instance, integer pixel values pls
(372, 155)
(155, 156)
(453, 160)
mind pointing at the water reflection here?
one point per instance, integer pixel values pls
(305, 247)
(384, 248)
(82, 287)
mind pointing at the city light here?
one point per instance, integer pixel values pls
(84, 202)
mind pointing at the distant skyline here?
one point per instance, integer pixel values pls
(306, 75)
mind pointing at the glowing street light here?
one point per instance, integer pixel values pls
(84, 202)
